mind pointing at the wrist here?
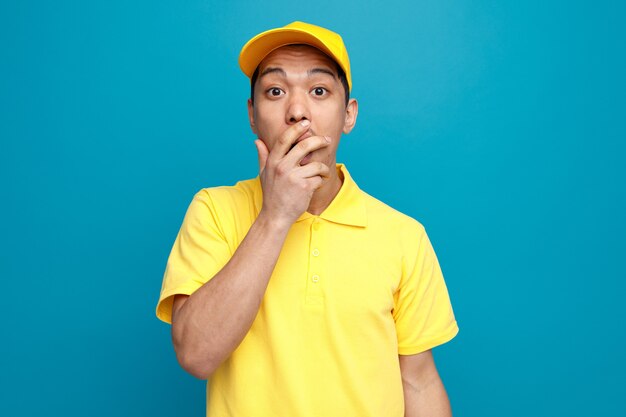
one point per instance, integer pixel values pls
(273, 224)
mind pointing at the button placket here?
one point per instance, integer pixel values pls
(315, 276)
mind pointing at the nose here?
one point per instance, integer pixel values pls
(297, 108)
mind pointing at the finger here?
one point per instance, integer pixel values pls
(315, 182)
(306, 146)
(312, 170)
(288, 138)
(262, 153)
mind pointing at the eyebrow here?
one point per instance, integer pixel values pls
(270, 70)
(314, 71)
(310, 73)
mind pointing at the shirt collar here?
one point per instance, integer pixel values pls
(348, 207)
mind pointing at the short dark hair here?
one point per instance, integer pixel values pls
(340, 74)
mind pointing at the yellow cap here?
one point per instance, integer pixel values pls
(325, 40)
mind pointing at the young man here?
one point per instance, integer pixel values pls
(295, 293)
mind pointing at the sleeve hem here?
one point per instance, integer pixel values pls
(164, 306)
(443, 338)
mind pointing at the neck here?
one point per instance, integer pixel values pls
(324, 195)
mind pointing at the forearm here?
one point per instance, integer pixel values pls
(215, 319)
(428, 399)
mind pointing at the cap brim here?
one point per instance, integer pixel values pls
(261, 45)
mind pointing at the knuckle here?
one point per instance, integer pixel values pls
(280, 169)
(317, 181)
(282, 139)
(293, 178)
(302, 146)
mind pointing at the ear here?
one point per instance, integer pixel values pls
(352, 110)
(251, 116)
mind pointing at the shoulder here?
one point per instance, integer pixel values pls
(382, 214)
(229, 197)
(401, 233)
(231, 209)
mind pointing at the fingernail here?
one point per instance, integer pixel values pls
(305, 123)
(327, 138)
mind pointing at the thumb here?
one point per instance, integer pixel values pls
(262, 153)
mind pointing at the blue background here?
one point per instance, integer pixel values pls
(500, 126)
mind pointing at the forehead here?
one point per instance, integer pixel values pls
(303, 56)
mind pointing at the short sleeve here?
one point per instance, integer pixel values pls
(422, 310)
(200, 251)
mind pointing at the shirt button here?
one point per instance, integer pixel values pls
(315, 278)
(316, 252)
(316, 226)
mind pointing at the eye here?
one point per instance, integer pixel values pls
(319, 91)
(275, 92)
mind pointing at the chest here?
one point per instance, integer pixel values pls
(341, 269)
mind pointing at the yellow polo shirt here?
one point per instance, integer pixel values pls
(353, 287)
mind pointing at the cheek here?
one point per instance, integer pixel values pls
(265, 130)
(330, 120)
(267, 121)
(267, 139)
(328, 152)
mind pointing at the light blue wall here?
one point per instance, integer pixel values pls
(501, 126)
